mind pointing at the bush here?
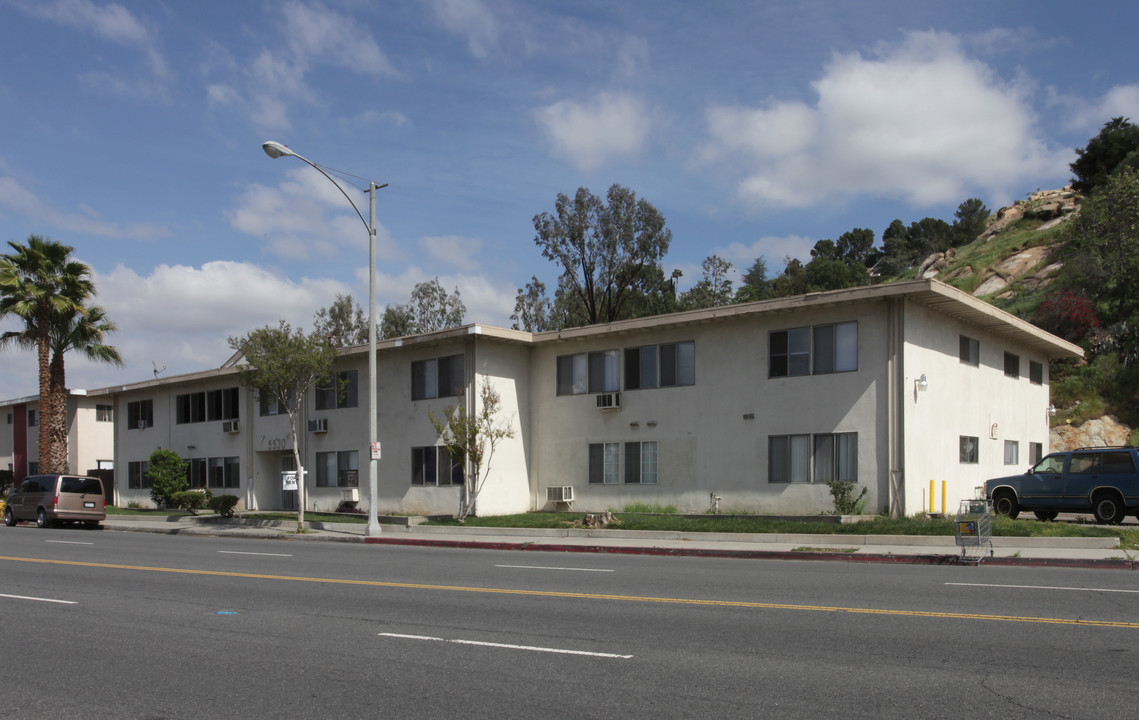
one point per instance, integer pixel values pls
(1070, 315)
(223, 505)
(167, 475)
(192, 500)
(845, 502)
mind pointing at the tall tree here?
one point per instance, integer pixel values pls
(755, 283)
(430, 308)
(607, 251)
(285, 364)
(1103, 154)
(712, 290)
(969, 221)
(343, 322)
(532, 309)
(42, 286)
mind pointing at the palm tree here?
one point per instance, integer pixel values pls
(42, 286)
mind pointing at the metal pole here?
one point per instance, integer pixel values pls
(373, 464)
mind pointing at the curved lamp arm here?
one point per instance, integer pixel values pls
(275, 150)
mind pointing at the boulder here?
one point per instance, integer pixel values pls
(1104, 431)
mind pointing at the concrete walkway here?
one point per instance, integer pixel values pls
(1054, 552)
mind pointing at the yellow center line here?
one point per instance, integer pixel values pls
(593, 596)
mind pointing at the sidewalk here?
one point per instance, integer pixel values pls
(908, 549)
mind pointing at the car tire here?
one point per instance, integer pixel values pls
(9, 518)
(41, 518)
(1005, 503)
(1108, 509)
(1045, 515)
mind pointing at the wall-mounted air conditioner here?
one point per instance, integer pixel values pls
(319, 425)
(560, 494)
(609, 401)
(230, 426)
(143, 424)
(350, 494)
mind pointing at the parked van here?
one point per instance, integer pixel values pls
(50, 499)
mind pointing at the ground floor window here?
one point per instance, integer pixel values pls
(434, 465)
(223, 472)
(969, 449)
(640, 463)
(338, 469)
(1012, 452)
(820, 458)
(136, 475)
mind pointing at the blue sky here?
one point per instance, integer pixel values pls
(132, 131)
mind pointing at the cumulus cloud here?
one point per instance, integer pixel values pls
(1089, 116)
(775, 250)
(589, 135)
(453, 250)
(470, 19)
(921, 121)
(18, 198)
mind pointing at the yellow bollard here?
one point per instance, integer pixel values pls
(931, 497)
(943, 484)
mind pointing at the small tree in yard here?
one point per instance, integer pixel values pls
(474, 436)
(285, 364)
(167, 475)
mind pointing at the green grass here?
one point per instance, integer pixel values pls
(349, 518)
(144, 512)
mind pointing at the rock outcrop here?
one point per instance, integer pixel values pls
(1098, 432)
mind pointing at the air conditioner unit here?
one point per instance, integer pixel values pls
(350, 495)
(230, 426)
(560, 494)
(609, 401)
(143, 424)
(320, 425)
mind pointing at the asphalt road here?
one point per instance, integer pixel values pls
(123, 625)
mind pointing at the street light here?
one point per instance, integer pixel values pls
(276, 150)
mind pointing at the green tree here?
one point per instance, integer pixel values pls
(793, 281)
(284, 364)
(430, 308)
(343, 321)
(755, 285)
(607, 251)
(856, 246)
(532, 309)
(1103, 154)
(969, 221)
(714, 289)
(474, 437)
(47, 290)
(167, 473)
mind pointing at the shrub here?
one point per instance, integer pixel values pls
(167, 475)
(1069, 314)
(845, 502)
(192, 500)
(223, 505)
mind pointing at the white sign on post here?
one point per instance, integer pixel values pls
(289, 480)
(376, 450)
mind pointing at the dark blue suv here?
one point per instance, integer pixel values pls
(1103, 481)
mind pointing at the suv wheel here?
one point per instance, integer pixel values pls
(41, 518)
(1005, 504)
(1108, 509)
(9, 518)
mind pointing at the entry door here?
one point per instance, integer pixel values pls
(288, 497)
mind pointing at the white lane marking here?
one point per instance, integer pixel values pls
(39, 599)
(541, 567)
(531, 648)
(1043, 587)
(69, 542)
(239, 552)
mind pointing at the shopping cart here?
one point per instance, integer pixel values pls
(974, 529)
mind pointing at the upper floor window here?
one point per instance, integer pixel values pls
(438, 378)
(140, 414)
(339, 391)
(269, 404)
(104, 413)
(666, 365)
(820, 350)
(970, 351)
(589, 372)
(1035, 372)
(1012, 365)
(190, 408)
(222, 404)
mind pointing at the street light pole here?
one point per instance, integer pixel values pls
(276, 150)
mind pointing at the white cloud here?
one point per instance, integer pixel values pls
(589, 135)
(19, 199)
(775, 250)
(922, 122)
(453, 250)
(469, 19)
(1089, 117)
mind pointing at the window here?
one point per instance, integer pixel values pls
(604, 463)
(136, 475)
(833, 349)
(1116, 462)
(269, 404)
(1012, 452)
(33, 418)
(140, 414)
(970, 351)
(104, 413)
(678, 364)
(594, 372)
(435, 465)
(821, 458)
(9, 418)
(197, 472)
(338, 469)
(340, 391)
(640, 367)
(223, 472)
(33, 467)
(969, 446)
(641, 463)
(437, 378)
(222, 404)
(1012, 365)
(190, 408)
(1035, 452)
(1035, 372)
